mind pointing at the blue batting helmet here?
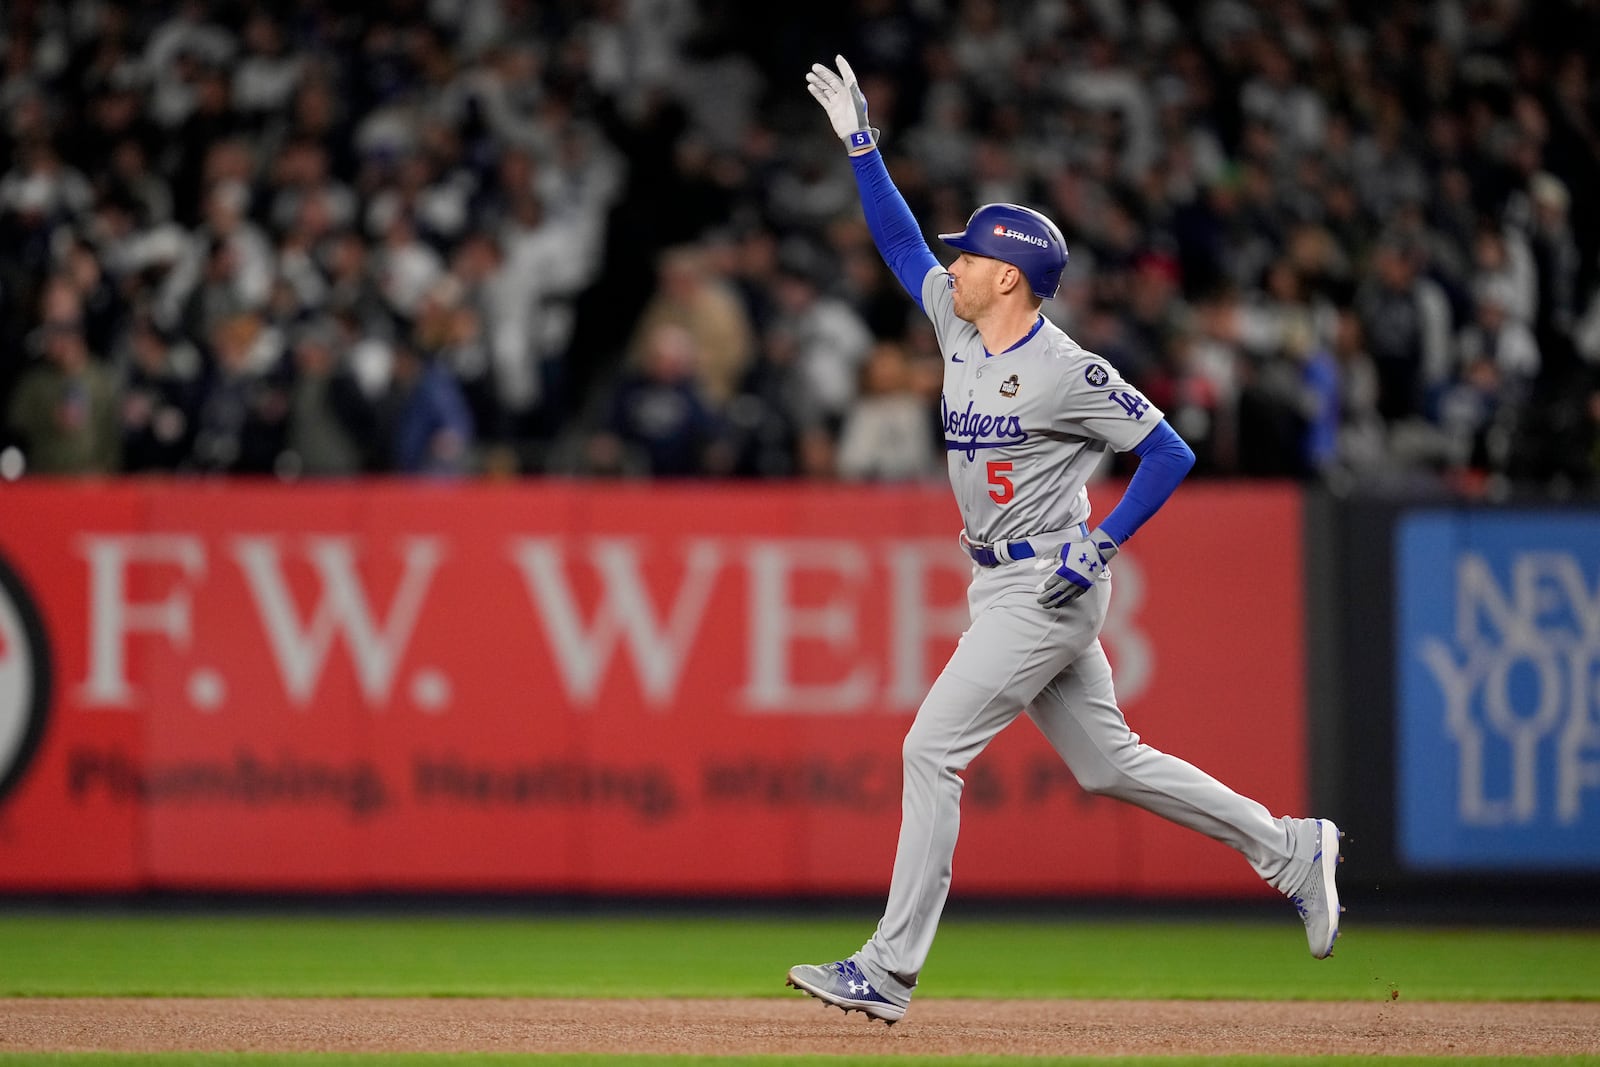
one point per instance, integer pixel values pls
(1021, 237)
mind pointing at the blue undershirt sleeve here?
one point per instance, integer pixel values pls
(1164, 460)
(894, 229)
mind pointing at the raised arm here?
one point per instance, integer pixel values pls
(894, 229)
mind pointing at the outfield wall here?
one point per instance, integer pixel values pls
(586, 688)
(1454, 684)
(620, 689)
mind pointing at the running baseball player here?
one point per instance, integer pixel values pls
(1028, 415)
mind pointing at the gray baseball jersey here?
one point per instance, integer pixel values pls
(1025, 429)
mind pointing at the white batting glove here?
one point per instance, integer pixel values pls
(1075, 569)
(840, 96)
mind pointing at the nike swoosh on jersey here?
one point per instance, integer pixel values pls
(957, 359)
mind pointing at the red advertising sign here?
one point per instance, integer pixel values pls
(584, 687)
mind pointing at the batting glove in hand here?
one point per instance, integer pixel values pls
(840, 96)
(1074, 571)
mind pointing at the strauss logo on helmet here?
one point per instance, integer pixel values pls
(1002, 230)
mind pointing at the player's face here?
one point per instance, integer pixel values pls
(976, 288)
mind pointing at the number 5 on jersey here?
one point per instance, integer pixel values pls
(1003, 489)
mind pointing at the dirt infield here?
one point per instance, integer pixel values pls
(798, 1026)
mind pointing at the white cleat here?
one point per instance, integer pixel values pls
(1318, 899)
(844, 986)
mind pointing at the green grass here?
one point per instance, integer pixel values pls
(181, 955)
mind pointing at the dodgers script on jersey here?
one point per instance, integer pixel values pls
(1025, 429)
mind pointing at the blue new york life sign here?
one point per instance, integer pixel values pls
(1498, 677)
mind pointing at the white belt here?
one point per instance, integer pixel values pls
(994, 553)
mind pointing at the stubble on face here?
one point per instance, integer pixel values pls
(974, 289)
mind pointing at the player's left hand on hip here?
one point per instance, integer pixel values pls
(1075, 569)
(840, 96)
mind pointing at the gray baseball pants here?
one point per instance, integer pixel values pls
(1017, 656)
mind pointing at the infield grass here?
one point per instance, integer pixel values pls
(294, 956)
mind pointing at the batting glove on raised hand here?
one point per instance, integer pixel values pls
(840, 96)
(1075, 569)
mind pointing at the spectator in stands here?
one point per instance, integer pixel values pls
(226, 267)
(1406, 321)
(884, 437)
(1362, 431)
(239, 420)
(348, 271)
(425, 419)
(304, 192)
(866, 284)
(1484, 401)
(1496, 337)
(1154, 311)
(1503, 263)
(330, 421)
(831, 338)
(690, 295)
(1192, 400)
(658, 421)
(203, 101)
(64, 410)
(43, 185)
(160, 399)
(101, 306)
(190, 163)
(267, 73)
(405, 266)
(774, 425)
(451, 330)
(546, 264)
(1556, 260)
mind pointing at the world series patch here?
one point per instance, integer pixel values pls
(1009, 386)
(1096, 376)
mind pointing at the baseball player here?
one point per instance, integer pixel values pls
(1028, 415)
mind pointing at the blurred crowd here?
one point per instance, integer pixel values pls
(1335, 240)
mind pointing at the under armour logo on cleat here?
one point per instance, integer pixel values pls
(860, 987)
